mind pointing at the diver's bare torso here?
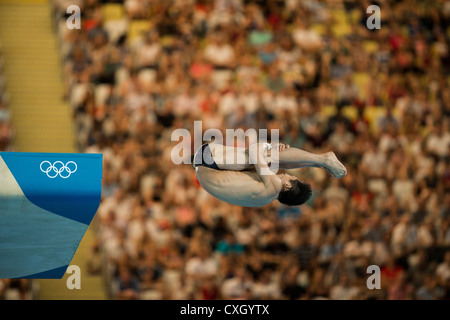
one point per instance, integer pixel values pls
(243, 188)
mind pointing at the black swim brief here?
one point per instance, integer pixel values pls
(203, 157)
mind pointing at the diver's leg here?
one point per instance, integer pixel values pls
(236, 159)
(230, 158)
(291, 158)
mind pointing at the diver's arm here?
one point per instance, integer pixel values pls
(268, 177)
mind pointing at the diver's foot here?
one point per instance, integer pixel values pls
(333, 166)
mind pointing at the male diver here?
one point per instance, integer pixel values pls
(244, 177)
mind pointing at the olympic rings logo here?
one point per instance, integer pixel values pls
(58, 168)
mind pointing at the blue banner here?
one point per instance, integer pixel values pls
(47, 201)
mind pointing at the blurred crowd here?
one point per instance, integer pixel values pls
(380, 99)
(6, 132)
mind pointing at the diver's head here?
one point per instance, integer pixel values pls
(293, 191)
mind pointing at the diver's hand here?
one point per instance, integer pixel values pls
(280, 146)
